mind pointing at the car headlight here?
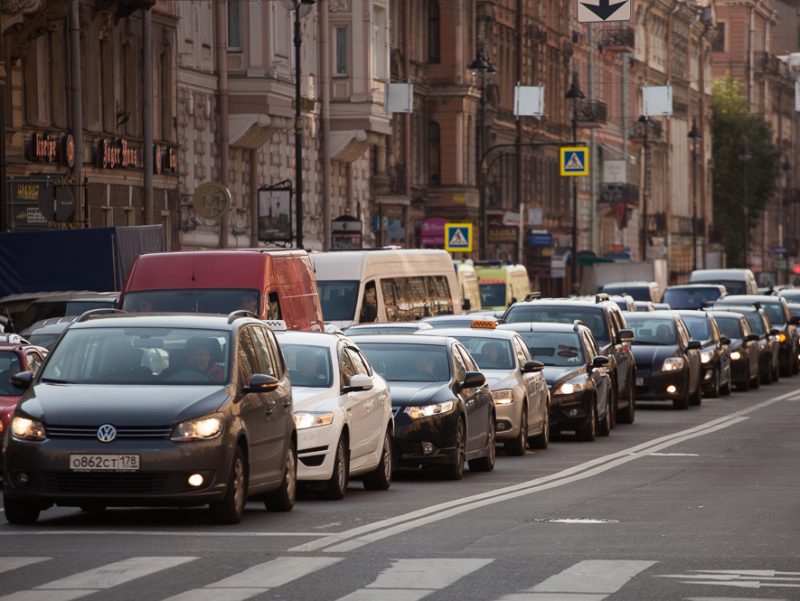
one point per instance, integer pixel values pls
(416, 412)
(706, 356)
(569, 388)
(26, 428)
(201, 428)
(672, 364)
(736, 355)
(503, 397)
(307, 419)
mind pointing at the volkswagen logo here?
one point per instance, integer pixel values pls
(106, 433)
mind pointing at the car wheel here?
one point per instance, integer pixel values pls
(765, 374)
(683, 401)
(604, 425)
(775, 372)
(486, 463)
(715, 388)
(517, 446)
(19, 511)
(542, 440)
(455, 469)
(381, 477)
(231, 508)
(336, 487)
(628, 415)
(283, 498)
(614, 407)
(589, 432)
(697, 398)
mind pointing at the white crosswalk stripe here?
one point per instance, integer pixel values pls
(12, 563)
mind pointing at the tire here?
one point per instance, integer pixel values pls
(19, 511)
(589, 432)
(775, 375)
(683, 402)
(614, 403)
(455, 469)
(284, 497)
(765, 375)
(381, 477)
(517, 446)
(604, 425)
(697, 398)
(716, 388)
(726, 389)
(486, 464)
(336, 487)
(231, 508)
(745, 386)
(628, 415)
(542, 440)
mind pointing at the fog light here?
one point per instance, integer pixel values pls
(572, 412)
(671, 389)
(22, 478)
(196, 480)
(427, 448)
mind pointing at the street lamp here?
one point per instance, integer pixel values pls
(481, 66)
(744, 157)
(301, 8)
(574, 93)
(694, 135)
(645, 121)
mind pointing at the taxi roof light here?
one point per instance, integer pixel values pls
(483, 324)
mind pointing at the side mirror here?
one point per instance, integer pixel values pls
(625, 336)
(794, 320)
(600, 361)
(724, 341)
(473, 379)
(694, 345)
(22, 380)
(751, 337)
(532, 367)
(262, 383)
(359, 382)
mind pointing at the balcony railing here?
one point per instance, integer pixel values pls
(592, 113)
(769, 64)
(619, 39)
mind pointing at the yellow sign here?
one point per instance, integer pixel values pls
(574, 160)
(458, 237)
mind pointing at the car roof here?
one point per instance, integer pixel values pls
(120, 319)
(478, 332)
(51, 325)
(752, 298)
(462, 317)
(401, 339)
(690, 313)
(314, 338)
(408, 325)
(723, 312)
(77, 296)
(660, 314)
(539, 326)
(640, 283)
(738, 308)
(575, 301)
(695, 286)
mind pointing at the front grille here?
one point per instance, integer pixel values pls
(105, 482)
(123, 432)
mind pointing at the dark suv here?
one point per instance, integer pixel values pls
(606, 321)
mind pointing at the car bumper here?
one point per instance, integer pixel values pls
(41, 472)
(316, 452)
(740, 371)
(569, 411)
(430, 440)
(659, 385)
(507, 421)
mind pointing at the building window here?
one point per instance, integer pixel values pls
(434, 153)
(719, 41)
(433, 31)
(234, 25)
(380, 58)
(341, 51)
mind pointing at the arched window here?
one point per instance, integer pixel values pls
(433, 31)
(434, 153)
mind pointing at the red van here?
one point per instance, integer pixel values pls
(273, 284)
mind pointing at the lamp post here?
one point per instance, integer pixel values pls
(481, 66)
(301, 8)
(694, 135)
(645, 121)
(744, 157)
(574, 93)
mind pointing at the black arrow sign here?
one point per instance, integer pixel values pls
(605, 9)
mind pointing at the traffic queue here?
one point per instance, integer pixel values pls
(223, 376)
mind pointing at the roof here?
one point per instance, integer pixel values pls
(538, 326)
(463, 317)
(635, 315)
(631, 283)
(690, 313)
(312, 338)
(477, 332)
(121, 319)
(737, 308)
(751, 298)
(720, 287)
(401, 339)
(723, 312)
(406, 325)
(581, 302)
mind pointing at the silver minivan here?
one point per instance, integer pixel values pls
(736, 281)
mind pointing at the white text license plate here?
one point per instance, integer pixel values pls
(104, 463)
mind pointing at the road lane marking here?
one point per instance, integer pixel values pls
(754, 579)
(12, 563)
(36, 532)
(413, 579)
(258, 579)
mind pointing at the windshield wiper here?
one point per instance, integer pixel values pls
(56, 381)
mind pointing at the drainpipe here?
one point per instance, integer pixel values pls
(407, 118)
(77, 105)
(520, 192)
(704, 132)
(676, 5)
(325, 142)
(147, 114)
(220, 27)
(253, 159)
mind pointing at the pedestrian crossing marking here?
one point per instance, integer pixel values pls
(12, 563)
(574, 160)
(458, 237)
(574, 163)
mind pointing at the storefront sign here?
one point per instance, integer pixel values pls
(540, 239)
(117, 154)
(503, 234)
(45, 148)
(25, 196)
(431, 231)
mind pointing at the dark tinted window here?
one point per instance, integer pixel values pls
(659, 332)
(309, 366)
(699, 328)
(639, 293)
(592, 317)
(9, 365)
(185, 301)
(338, 299)
(560, 349)
(730, 326)
(493, 295)
(408, 362)
(489, 353)
(756, 323)
(690, 298)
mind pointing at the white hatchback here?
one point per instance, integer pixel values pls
(342, 411)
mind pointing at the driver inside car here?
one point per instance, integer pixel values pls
(198, 358)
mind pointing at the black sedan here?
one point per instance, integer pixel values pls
(576, 374)
(443, 410)
(715, 356)
(668, 365)
(743, 348)
(768, 343)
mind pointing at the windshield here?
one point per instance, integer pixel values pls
(698, 327)
(592, 317)
(408, 362)
(557, 349)
(201, 300)
(9, 366)
(47, 310)
(756, 323)
(775, 313)
(309, 366)
(690, 298)
(658, 332)
(729, 326)
(338, 299)
(731, 286)
(493, 295)
(139, 356)
(489, 353)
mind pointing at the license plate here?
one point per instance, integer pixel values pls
(640, 381)
(104, 463)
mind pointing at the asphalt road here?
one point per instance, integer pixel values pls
(682, 505)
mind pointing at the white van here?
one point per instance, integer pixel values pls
(365, 286)
(468, 280)
(736, 281)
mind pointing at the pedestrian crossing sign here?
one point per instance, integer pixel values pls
(574, 160)
(458, 237)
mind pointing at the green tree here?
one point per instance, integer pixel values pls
(742, 185)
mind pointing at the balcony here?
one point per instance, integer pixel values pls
(769, 64)
(619, 39)
(592, 113)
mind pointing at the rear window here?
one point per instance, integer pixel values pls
(338, 299)
(558, 349)
(639, 293)
(699, 328)
(408, 362)
(592, 317)
(201, 300)
(657, 332)
(493, 295)
(729, 326)
(690, 298)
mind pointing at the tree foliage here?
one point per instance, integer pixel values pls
(742, 188)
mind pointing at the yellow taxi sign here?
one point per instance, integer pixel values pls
(483, 324)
